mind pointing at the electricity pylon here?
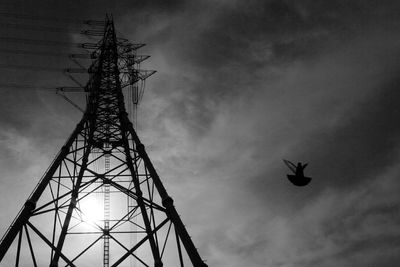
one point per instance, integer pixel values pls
(101, 188)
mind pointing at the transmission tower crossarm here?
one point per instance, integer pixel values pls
(90, 45)
(92, 32)
(71, 89)
(83, 56)
(139, 58)
(62, 94)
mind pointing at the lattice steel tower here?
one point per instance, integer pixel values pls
(101, 189)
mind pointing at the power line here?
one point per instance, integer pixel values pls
(53, 19)
(21, 86)
(39, 28)
(35, 53)
(27, 67)
(36, 42)
(42, 53)
(49, 43)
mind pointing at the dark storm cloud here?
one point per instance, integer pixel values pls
(285, 30)
(364, 145)
(230, 46)
(158, 6)
(288, 28)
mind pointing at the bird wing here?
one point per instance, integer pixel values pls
(305, 165)
(290, 165)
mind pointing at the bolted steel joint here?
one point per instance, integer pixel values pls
(65, 149)
(140, 148)
(73, 202)
(139, 193)
(80, 125)
(168, 201)
(90, 115)
(123, 114)
(30, 204)
(158, 263)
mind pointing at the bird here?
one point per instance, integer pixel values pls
(298, 178)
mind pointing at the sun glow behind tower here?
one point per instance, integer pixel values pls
(92, 210)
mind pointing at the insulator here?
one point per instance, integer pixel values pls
(92, 32)
(94, 22)
(89, 45)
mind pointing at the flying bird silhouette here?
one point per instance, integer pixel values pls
(298, 178)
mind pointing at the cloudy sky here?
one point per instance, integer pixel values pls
(240, 85)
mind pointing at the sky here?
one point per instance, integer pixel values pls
(240, 85)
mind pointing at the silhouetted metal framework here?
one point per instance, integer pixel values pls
(102, 156)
